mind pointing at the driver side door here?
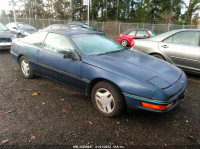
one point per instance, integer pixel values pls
(54, 64)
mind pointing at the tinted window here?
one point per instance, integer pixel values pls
(187, 38)
(132, 33)
(96, 44)
(35, 39)
(57, 43)
(141, 33)
(56, 27)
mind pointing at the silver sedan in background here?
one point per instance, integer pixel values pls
(179, 47)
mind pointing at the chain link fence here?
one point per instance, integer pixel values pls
(112, 29)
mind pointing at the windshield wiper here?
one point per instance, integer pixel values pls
(115, 51)
(112, 51)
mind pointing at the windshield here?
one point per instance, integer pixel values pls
(26, 26)
(90, 27)
(3, 28)
(152, 33)
(96, 44)
(83, 27)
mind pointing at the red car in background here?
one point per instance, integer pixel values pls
(126, 38)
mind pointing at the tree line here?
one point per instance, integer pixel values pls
(144, 11)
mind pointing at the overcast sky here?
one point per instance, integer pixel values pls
(5, 5)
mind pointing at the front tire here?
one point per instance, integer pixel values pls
(107, 99)
(19, 36)
(26, 68)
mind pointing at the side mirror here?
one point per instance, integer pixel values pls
(14, 28)
(68, 54)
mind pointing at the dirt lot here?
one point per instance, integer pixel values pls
(61, 115)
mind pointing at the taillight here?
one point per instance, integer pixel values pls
(132, 43)
(11, 45)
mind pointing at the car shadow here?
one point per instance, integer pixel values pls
(193, 76)
(147, 117)
(2, 52)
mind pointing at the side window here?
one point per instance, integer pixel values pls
(57, 43)
(65, 27)
(56, 27)
(177, 38)
(132, 33)
(141, 33)
(35, 39)
(169, 39)
(190, 38)
(186, 38)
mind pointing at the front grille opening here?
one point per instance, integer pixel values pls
(5, 40)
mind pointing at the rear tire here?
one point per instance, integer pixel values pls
(158, 56)
(124, 43)
(26, 68)
(107, 99)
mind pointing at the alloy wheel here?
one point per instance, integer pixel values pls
(104, 100)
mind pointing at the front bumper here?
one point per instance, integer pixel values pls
(135, 102)
(5, 45)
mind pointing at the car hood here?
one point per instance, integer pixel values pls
(136, 64)
(6, 34)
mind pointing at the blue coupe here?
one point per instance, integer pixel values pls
(116, 78)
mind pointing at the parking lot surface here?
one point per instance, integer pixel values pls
(41, 111)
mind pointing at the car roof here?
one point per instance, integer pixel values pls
(72, 32)
(66, 24)
(129, 30)
(18, 22)
(57, 24)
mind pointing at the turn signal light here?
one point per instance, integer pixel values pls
(153, 106)
(11, 45)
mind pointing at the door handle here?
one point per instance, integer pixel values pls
(165, 46)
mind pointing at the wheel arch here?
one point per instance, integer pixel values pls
(20, 55)
(158, 54)
(95, 81)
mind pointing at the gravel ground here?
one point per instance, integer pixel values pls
(41, 111)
